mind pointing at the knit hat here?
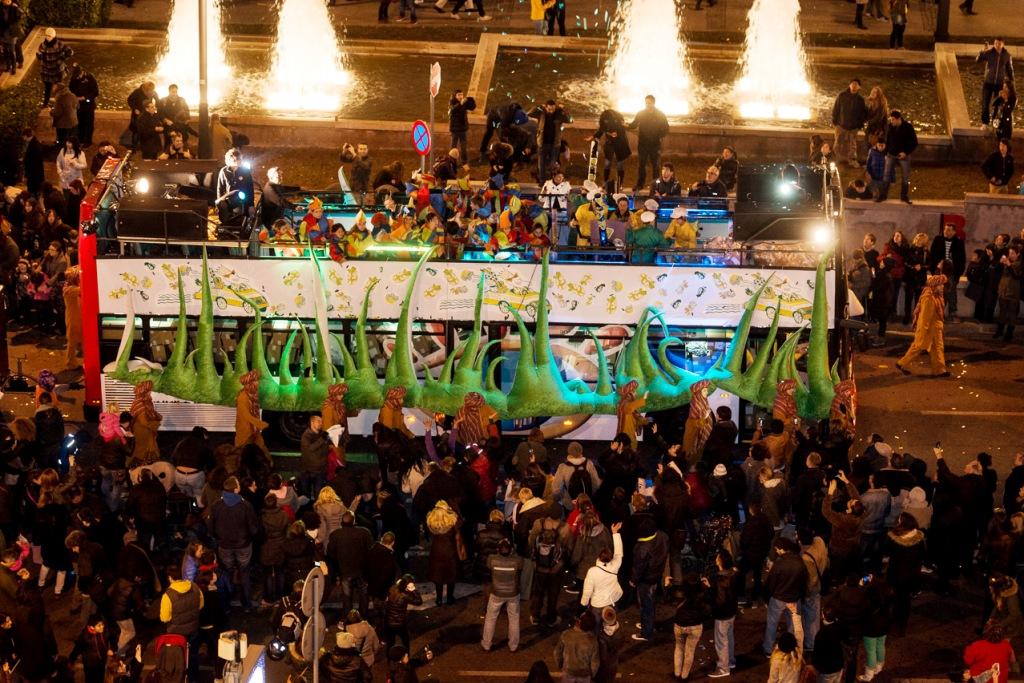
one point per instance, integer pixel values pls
(345, 640)
(379, 219)
(651, 205)
(397, 653)
(679, 212)
(720, 470)
(51, 33)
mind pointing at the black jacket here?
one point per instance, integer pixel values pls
(722, 440)
(458, 114)
(314, 447)
(85, 86)
(232, 522)
(348, 550)
(666, 188)
(849, 111)
(725, 585)
(344, 666)
(957, 253)
(706, 189)
(612, 127)
(649, 557)
(998, 65)
(787, 579)
(901, 138)
(693, 609)
(193, 452)
(998, 169)
(381, 570)
(828, 649)
(651, 126)
(396, 608)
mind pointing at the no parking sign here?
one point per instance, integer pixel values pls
(421, 138)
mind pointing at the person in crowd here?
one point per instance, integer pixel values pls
(458, 118)
(1009, 292)
(786, 661)
(611, 126)
(728, 167)
(574, 477)
(348, 551)
(175, 114)
(949, 246)
(52, 56)
(611, 638)
(915, 272)
(651, 126)
(401, 595)
(551, 118)
(710, 186)
(10, 36)
(554, 10)
(692, 609)
(899, 13)
(849, 113)
(71, 164)
(234, 190)
(858, 189)
(998, 69)
(724, 609)
(577, 653)
(343, 663)
(64, 113)
(84, 87)
(505, 567)
(877, 116)
(665, 183)
(998, 168)
(601, 585)
(232, 522)
(786, 585)
(150, 130)
(900, 143)
(1003, 107)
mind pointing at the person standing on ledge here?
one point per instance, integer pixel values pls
(900, 143)
(651, 126)
(848, 116)
(998, 69)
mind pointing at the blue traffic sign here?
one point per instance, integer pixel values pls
(421, 138)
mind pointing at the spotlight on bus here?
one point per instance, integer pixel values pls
(822, 236)
(142, 186)
(241, 195)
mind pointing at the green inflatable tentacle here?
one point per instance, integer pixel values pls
(362, 347)
(445, 377)
(467, 362)
(284, 371)
(753, 378)
(778, 370)
(400, 370)
(478, 364)
(675, 373)
(207, 382)
(229, 384)
(820, 392)
(492, 385)
(349, 367)
(604, 380)
(732, 360)
(307, 353)
(428, 376)
(834, 372)
(324, 369)
(177, 359)
(525, 379)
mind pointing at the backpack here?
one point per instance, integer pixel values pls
(547, 551)
(580, 481)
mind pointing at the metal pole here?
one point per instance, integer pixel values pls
(942, 22)
(317, 596)
(205, 150)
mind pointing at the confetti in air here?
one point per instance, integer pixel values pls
(774, 84)
(648, 57)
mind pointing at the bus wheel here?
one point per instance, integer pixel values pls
(293, 425)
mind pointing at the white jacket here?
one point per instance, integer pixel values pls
(601, 586)
(70, 168)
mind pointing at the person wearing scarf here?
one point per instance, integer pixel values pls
(391, 415)
(699, 421)
(333, 410)
(628, 411)
(248, 424)
(929, 325)
(473, 419)
(145, 424)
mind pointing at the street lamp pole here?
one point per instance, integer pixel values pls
(204, 102)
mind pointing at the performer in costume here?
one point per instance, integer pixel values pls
(333, 411)
(474, 419)
(46, 383)
(145, 423)
(929, 326)
(248, 425)
(699, 422)
(628, 411)
(314, 227)
(391, 415)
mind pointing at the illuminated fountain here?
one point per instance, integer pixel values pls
(180, 61)
(648, 57)
(774, 84)
(307, 71)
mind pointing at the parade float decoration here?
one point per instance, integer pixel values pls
(538, 387)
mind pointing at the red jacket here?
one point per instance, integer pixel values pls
(981, 655)
(487, 487)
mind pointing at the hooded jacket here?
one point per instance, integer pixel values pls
(344, 666)
(650, 558)
(845, 539)
(917, 505)
(906, 553)
(232, 522)
(577, 653)
(564, 473)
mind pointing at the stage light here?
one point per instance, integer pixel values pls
(822, 236)
(247, 165)
(785, 189)
(241, 195)
(142, 186)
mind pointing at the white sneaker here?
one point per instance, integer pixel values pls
(485, 17)
(718, 673)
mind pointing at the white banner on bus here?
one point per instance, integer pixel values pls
(689, 295)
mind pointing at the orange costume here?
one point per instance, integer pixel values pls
(248, 425)
(145, 424)
(699, 422)
(333, 411)
(72, 316)
(391, 415)
(929, 326)
(628, 411)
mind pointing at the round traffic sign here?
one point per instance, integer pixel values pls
(421, 138)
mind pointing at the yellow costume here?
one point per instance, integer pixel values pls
(391, 415)
(145, 424)
(475, 418)
(587, 219)
(248, 425)
(333, 410)
(683, 233)
(929, 326)
(628, 411)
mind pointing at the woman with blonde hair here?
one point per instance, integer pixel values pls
(330, 508)
(786, 661)
(51, 527)
(915, 272)
(878, 116)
